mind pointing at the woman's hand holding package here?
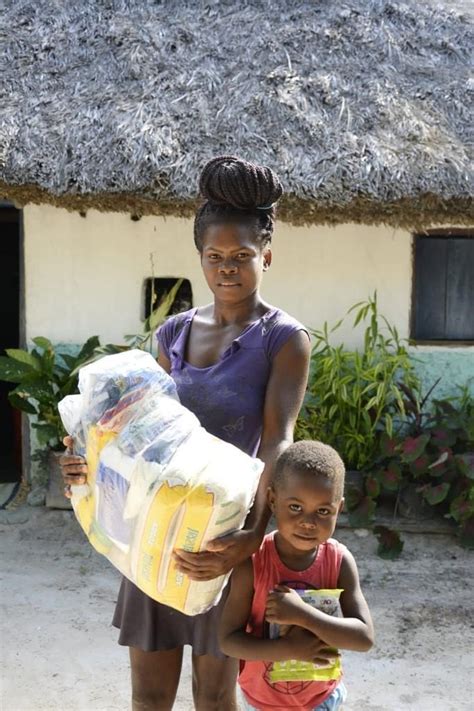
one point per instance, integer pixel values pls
(220, 557)
(73, 468)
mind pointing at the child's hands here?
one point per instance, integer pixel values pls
(284, 606)
(306, 647)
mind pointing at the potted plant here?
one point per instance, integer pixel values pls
(426, 469)
(429, 463)
(43, 376)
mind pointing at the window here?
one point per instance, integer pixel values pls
(443, 289)
(183, 299)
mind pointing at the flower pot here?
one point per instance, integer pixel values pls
(55, 498)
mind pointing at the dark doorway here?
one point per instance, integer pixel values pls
(10, 419)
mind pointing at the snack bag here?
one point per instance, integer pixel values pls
(157, 480)
(293, 670)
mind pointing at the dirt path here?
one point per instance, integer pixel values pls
(59, 652)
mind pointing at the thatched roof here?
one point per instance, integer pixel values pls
(362, 106)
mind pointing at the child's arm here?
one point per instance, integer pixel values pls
(236, 642)
(353, 631)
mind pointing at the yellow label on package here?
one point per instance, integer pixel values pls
(294, 670)
(177, 520)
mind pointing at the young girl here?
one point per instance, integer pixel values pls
(306, 498)
(241, 366)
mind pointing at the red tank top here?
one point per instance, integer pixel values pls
(268, 571)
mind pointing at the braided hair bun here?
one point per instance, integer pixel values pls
(237, 191)
(227, 180)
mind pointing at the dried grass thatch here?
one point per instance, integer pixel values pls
(362, 106)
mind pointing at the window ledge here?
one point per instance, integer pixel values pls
(442, 344)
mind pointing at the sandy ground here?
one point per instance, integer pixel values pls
(59, 652)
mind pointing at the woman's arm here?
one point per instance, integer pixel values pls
(353, 631)
(283, 399)
(236, 642)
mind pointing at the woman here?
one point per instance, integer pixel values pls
(241, 366)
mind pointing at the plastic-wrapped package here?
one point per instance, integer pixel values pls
(327, 601)
(157, 480)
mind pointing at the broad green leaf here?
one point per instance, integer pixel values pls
(14, 371)
(389, 425)
(368, 388)
(40, 391)
(391, 477)
(435, 494)
(63, 371)
(378, 369)
(399, 401)
(442, 438)
(21, 404)
(88, 348)
(22, 356)
(43, 343)
(390, 544)
(446, 407)
(460, 508)
(47, 359)
(372, 403)
(465, 464)
(413, 447)
(388, 445)
(70, 361)
(46, 433)
(380, 391)
(420, 465)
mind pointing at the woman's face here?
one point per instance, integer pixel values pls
(233, 262)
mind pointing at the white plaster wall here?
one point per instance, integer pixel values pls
(84, 276)
(319, 272)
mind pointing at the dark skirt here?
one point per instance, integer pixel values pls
(153, 627)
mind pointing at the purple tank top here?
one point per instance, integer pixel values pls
(228, 397)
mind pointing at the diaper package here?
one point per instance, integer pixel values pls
(294, 670)
(157, 480)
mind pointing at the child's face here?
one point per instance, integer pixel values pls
(306, 507)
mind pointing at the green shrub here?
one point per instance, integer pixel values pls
(44, 376)
(354, 395)
(432, 458)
